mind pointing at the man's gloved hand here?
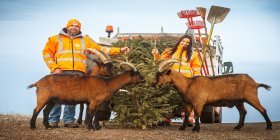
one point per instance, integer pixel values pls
(125, 50)
(155, 51)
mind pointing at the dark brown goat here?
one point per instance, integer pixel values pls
(96, 66)
(224, 91)
(69, 89)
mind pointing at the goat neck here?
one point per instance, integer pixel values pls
(180, 81)
(119, 81)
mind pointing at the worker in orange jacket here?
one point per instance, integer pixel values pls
(64, 54)
(190, 64)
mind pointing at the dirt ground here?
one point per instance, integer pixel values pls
(17, 127)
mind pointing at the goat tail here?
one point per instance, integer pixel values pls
(267, 87)
(31, 86)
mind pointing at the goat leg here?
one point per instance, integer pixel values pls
(242, 113)
(101, 114)
(86, 118)
(36, 112)
(268, 122)
(46, 113)
(196, 125)
(254, 101)
(80, 118)
(96, 122)
(197, 114)
(90, 117)
(186, 122)
(91, 110)
(33, 119)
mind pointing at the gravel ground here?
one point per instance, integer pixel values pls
(17, 127)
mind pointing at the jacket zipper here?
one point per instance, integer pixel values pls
(72, 54)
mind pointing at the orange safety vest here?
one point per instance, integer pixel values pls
(67, 53)
(188, 69)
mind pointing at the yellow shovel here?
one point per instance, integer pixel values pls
(216, 15)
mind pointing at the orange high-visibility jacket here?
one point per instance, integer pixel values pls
(188, 69)
(67, 53)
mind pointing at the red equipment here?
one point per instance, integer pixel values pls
(196, 25)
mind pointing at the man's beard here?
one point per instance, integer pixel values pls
(73, 33)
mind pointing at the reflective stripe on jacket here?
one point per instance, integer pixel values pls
(67, 53)
(188, 69)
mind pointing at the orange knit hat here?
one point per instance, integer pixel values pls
(73, 22)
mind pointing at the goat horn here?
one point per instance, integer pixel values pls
(167, 63)
(128, 64)
(103, 56)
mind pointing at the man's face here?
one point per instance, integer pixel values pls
(73, 30)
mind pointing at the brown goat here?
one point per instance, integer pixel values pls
(69, 89)
(224, 91)
(95, 67)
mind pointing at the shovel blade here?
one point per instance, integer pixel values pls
(219, 13)
(202, 12)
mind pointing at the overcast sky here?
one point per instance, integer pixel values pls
(250, 35)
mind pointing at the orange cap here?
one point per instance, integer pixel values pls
(73, 22)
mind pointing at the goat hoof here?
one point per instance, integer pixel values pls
(48, 127)
(79, 122)
(32, 127)
(182, 128)
(268, 127)
(195, 129)
(236, 128)
(90, 127)
(97, 127)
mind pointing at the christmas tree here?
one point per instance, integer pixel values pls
(142, 105)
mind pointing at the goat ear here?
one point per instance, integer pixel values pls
(168, 72)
